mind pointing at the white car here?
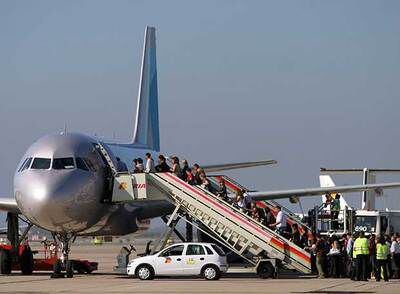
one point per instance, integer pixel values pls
(181, 259)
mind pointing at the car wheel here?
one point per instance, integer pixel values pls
(211, 272)
(5, 262)
(27, 261)
(144, 272)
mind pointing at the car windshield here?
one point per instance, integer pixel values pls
(63, 163)
(41, 163)
(365, 224)
(172, 251)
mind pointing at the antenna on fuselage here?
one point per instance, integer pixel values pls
(64, 132)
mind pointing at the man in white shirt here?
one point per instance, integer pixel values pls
(280, 223)
(149, 163)
(395, 253)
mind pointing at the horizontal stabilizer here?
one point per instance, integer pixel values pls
(237, 165)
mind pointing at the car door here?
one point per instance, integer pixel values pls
(170, 261)
(194, 259)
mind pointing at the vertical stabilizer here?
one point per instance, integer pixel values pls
(326, 181)
(146, 133)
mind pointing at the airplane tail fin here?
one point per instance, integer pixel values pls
(326, 182)
(146, 133)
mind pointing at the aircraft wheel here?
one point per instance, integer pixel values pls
(5, 262)
(69, 268)
(27, 261)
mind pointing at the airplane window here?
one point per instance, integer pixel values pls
(41, 163)
(27, 163)
(63, 163)
(80, 163)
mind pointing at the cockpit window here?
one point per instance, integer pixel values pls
(90, 164)
(80, 164)
(63, 163)
(26, 164)
(41, 163)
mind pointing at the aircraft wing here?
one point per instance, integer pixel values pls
(269, 195)
(237, 165)
(9, 205)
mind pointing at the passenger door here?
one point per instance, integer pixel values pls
(170, 261)
(194, 259)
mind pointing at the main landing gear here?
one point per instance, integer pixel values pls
(64, 263)
(17, 254)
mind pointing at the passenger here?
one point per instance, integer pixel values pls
(222, 192)
(239, 201)
(134, 164)
(395, 254)
(176, 168)
(304, 238)
(280, 223)
(253, 211)
(162, 165)
(388, 240)
(334, 257)
(382, 253)
(247, 199)
(268, 217)
(361, 253)
(372, 255)
(149, 163)
(189, 177)
(185, 167)
(139, 166)
(335, 209)
(348, 254)
(205, 183)
(320, 256)
(121, 166)
(296, 238)
(196, 173)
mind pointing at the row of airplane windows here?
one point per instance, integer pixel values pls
(58, 163)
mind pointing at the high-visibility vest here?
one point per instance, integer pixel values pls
(360, 247)
(382, 251)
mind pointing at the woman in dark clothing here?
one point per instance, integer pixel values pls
(162, 166)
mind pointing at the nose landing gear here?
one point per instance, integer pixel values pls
(64, 263)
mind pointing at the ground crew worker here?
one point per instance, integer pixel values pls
(382, 252)
(361, 253)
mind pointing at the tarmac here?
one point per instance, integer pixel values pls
(105, 281)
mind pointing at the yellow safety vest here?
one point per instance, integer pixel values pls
(382, 251)
(360, 247)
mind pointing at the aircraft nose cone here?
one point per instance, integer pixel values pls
(57, 202)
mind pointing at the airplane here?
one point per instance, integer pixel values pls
(62, 180)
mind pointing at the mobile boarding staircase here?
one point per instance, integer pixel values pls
(248, 238)
(233, 187)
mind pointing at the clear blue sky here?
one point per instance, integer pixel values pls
(308, 83)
